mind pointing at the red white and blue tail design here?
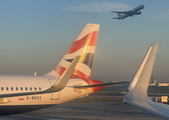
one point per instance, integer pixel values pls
(84, 46)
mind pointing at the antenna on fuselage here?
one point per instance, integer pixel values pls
(35, 73)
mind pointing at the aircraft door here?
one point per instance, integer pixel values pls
(55, 95)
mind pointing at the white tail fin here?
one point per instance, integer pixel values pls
(139, 85)
(84, 46)
(137, 92)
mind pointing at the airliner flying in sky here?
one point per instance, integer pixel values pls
(136, 93)
(69, 80)
(130, 13)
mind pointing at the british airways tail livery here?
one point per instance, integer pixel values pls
(136, 93)
(69, 80)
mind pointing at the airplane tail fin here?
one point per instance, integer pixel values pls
(137, 91)
(83, 46)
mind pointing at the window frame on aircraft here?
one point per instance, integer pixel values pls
(21, 88)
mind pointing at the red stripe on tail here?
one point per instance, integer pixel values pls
(59, 70)
(93, 82)
(92, 37)
(79, 74)
(76, 73)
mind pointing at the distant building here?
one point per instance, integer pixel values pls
(163, 84)
(152, 84)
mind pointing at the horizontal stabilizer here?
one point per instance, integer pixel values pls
(123, 12)
(99, 85)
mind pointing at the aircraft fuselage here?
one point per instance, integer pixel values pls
(22, 84)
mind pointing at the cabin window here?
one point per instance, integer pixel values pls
(39, 88)
(16, 88)
(26, 88)
(12, 88)
(2, 88)
(21, 88)
(6, 88)
(35, 88)
(30, 88)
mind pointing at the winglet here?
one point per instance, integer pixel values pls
(64, 78)
(139, 85)
(136, 93)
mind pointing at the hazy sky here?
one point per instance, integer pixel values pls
(35, 34)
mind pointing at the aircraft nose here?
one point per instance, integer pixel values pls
(143, 6)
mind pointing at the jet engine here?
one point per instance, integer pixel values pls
(138, 13)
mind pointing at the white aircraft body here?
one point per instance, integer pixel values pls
(69, 80)
(136, 93)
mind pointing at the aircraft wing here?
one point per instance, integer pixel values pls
(123, 12)
(116, 18)
(59, 85)
(99, 85)
(136, 93)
